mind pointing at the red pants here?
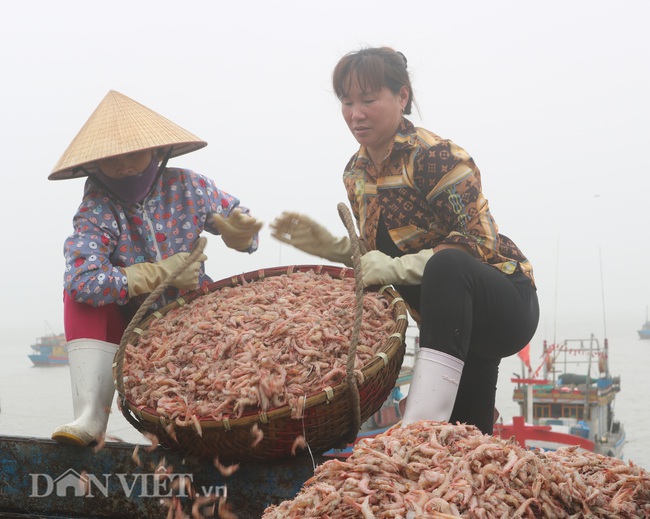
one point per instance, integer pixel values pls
(104, 323)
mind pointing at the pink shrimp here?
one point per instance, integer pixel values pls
(226, 471)
(298, 443)
(257, 434)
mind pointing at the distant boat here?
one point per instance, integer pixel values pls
(50, 350)
(644, 332)
(568, 406)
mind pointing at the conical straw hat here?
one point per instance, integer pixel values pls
(121, 125)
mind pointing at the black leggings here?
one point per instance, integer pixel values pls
(479, 315)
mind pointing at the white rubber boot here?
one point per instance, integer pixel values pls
(434, 386)
(91, 376)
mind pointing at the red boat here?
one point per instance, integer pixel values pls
(572, 403)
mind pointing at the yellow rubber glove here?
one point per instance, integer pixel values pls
(238, 229)
(142, 278)
(311, 237)
(378, 268)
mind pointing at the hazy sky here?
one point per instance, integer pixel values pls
(552, 99)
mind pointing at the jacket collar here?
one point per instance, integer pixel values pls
(405, 138)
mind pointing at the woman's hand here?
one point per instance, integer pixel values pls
(237, 229)
(143, 278)
(311, 237)
(378, 268)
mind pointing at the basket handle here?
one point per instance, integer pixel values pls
(118, 375)
(357, 250)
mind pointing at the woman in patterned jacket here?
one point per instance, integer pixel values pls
(422, 216)
(137, 222)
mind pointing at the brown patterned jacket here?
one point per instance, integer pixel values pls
(428, 192)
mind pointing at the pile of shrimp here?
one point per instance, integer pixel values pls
(435, 469)
(255, 346)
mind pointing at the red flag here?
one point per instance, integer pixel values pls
(524, 355)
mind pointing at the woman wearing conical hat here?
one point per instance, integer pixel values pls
(137, 222)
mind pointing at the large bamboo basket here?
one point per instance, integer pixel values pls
(328, 419)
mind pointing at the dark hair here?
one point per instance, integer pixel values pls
(374, 68)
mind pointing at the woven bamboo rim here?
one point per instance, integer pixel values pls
(379, 361)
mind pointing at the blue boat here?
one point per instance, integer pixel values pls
(42, 478)
(50, 350)
(644, 332)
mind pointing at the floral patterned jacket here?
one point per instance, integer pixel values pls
(110, 234)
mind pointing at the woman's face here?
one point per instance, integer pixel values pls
(126, 165)
(373, 117)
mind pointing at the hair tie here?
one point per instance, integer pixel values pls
(404, 58)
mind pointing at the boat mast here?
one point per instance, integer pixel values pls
(586, 414)
(557, 275)
(602, 291)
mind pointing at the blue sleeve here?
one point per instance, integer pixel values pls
(90, 277)
(224, 203)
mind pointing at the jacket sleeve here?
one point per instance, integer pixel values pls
(221, 202)
(90, 277)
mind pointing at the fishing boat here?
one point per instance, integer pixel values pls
(50, 350)
(644, 332)
(571, 404)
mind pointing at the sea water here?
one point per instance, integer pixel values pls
(35, 400)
